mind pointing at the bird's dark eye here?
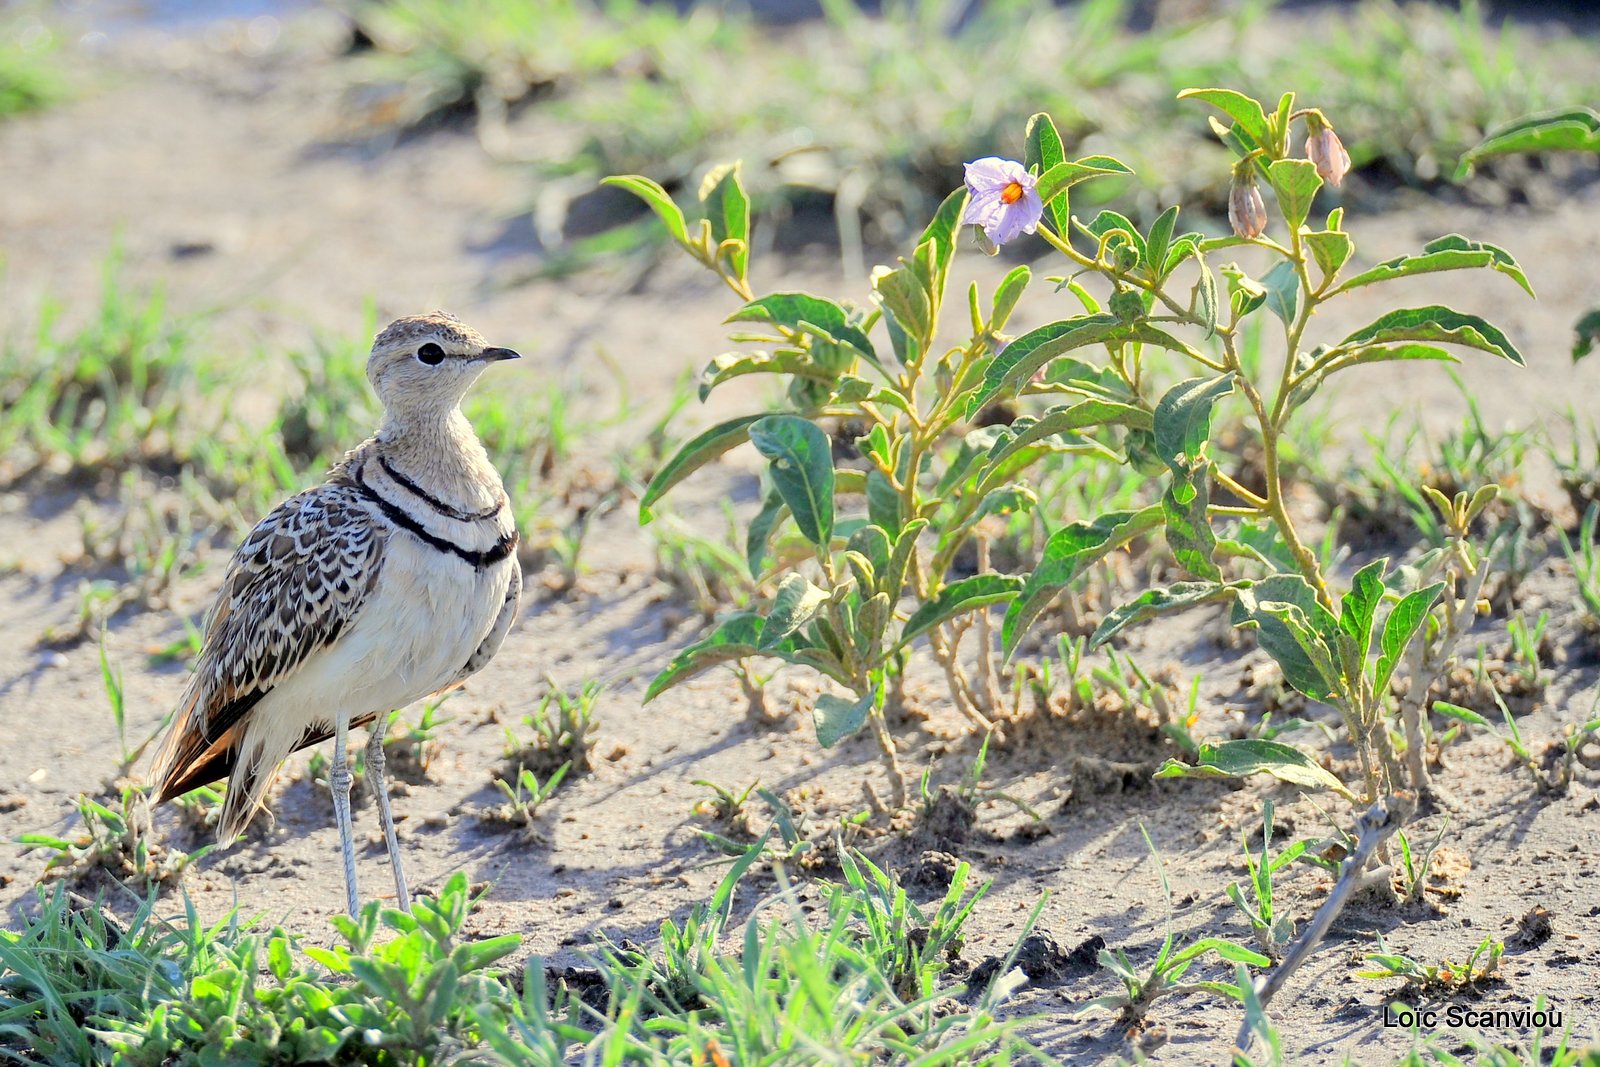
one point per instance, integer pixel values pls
(431, 354)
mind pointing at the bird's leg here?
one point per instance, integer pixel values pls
(380, 789)
(339, 784)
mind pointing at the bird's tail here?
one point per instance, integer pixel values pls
(252, 777)
(182, 748)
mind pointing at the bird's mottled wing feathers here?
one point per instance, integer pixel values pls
(293, 587)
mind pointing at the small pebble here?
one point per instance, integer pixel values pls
(52, 659)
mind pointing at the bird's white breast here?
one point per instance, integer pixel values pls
(428, 614)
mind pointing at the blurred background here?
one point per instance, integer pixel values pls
(852, 119)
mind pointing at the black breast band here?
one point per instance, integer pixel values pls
(434, 502)
(480, 559)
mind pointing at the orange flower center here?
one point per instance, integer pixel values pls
(1011, 193)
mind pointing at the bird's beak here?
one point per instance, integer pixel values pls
(495, 355)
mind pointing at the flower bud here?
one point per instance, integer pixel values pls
(1247, 212)
(1324, 149)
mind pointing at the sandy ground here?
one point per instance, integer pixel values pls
(182, 143)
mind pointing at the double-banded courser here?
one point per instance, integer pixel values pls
(394, 579)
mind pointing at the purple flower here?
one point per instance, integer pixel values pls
(1324, 148)
(1004, 199)
(1247, 212)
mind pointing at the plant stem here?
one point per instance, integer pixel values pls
(891, 760)
(986, 670)
(1255, 501)
(946, 652)
(1274, 504)
(1060, 244)
(1373, 827)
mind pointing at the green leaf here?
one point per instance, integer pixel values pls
(1245, 294)
(1259, 605)
(906, 349)
(1205, 297)
(1573, 129)
(735, 637)
(837, 718)
(850, 390)
(1450, 252)
(1393, 354)
(1586, 332)
(1042, 150)
(1185, 507)
(794, 309)
(1241, 144)
(1107, 163)
(1240, 108)
(1152, 602)
(1319, 645)
(904, 296)
(1228, 950)
(731, 365)
(1360, 605)
(1331, 249)
(873, 544)
(1182, 421)
(696, 453)
(1399, 628)
(41, 840)
(871, 621)
(1006, 296)
(900, 561)
(1456, 711)
(1069, 375)
(1181, 249)
(757, 538)
(884, 502)
(1296, 182)
(1280, 121)
(1436, 323)
(957, 598)
(1025, 355)
(728, 209)
(1086, 298)
(1067, 555)
(1068, 418)
(1160, 239)
(1363, 356)
(1240, 759)
(1007, 500)
(1283, 291)
(942, 232)
(802, 471)
(477, 955)
(1062, 176)
(795, 604)
(662, 204)
(974, 444)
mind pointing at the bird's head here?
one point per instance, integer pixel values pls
(424, 364)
